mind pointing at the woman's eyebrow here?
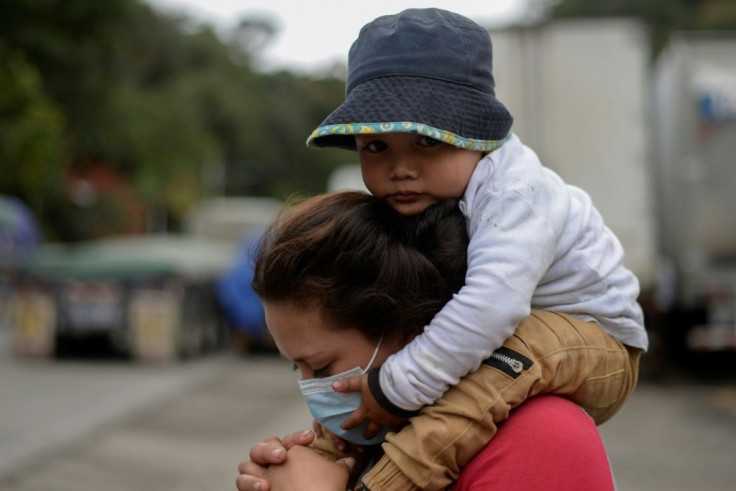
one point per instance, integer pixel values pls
(306, 358)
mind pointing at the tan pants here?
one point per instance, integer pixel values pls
(554, 353)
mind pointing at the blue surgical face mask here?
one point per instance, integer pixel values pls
(331, 408)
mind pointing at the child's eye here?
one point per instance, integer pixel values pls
(374, 146)
(427, 141)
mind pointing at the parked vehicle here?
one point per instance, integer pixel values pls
(578, 92)
(239, 221)
(694, 122)
(153, 297)
(654, 146)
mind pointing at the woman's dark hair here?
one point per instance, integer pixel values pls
(365, 265)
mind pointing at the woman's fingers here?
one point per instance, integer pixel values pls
(250, 477)
(251, 468)
(245, 482)
(299, 438)
(271, 451)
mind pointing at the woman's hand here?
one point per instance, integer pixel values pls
(305, 470)
(272, 451)
(298, 469)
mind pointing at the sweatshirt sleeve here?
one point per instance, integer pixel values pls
(512, 244)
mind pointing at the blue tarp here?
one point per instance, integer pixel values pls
(19, 232)
(241, 305)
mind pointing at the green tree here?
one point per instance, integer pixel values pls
(31, 132)
(157, 99)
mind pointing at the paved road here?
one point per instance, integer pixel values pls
(190, 439)
(48, 404)
(120, 427)
(675, 437)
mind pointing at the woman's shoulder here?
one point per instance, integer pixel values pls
(547, 443)
(534, 417)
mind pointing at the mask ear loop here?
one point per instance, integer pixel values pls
(375, 353)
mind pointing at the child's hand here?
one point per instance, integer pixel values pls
(369, 408)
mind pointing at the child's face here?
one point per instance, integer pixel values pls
(411, 172)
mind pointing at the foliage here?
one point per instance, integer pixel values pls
(159, 100)
(31, 127)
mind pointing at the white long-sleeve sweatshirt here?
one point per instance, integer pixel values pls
(535, 243)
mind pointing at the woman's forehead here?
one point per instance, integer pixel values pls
(301, 333)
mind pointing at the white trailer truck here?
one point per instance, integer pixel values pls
(694, 143)
(577, 91)
(654, 144)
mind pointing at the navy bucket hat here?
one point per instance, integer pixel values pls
(425, 71)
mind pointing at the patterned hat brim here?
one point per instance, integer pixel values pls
(457, 114)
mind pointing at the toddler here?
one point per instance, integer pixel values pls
(421, 111)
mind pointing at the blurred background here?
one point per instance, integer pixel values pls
(144, 145)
